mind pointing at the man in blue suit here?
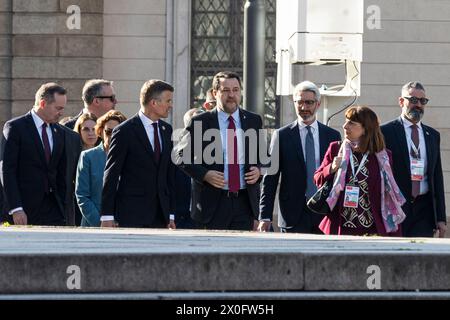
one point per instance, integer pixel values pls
(299, 149)
(417, 165)
(33, 163)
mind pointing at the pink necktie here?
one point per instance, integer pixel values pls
(233, 165)
(415, 139)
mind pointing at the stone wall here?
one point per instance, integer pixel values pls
(5, 60)
(134, 47)
(44, 49)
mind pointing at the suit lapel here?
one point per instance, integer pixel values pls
(429, 146)
(58, 144)
(36, 138)
(165, 138)
(297, 144)
(323, 141)
(142, 136)
(402, 143)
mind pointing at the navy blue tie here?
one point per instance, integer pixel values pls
(310, 163)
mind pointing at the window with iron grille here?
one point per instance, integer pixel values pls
(218, 44)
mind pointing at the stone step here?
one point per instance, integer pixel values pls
(37, 260)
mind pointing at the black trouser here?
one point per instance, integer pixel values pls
(308, 223)
(419, 220)
(233, 212)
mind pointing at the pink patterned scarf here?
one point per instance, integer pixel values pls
(391, 196)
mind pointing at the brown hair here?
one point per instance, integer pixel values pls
(84, 117)
(372, 140)
(110, 115)
(224, 75)
(152, 89)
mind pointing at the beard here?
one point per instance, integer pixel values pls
(306, 116)
(414, 114)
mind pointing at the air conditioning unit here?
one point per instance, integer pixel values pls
(317, 32)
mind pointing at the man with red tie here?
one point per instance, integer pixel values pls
(138, 184)
(417, 165)
(225, 171)
(33, 163)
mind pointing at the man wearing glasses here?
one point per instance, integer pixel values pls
(301, 147)
(98, 97)
(417, 165)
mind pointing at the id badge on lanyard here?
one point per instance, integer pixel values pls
(351, 197)
(417, 169)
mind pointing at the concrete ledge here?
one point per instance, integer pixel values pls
(61, 261)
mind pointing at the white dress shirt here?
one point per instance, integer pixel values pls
(148, 125)
(422, 148)
(223, 126)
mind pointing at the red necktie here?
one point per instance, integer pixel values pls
(45, 141)
(156, 145)
(233, 165)
(415, 139)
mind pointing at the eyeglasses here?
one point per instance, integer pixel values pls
(108, 131)
(112, 98)
(414, 100)
(308, 103)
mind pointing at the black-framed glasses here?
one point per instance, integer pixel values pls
(308, 103)
(415, 100)
(108, 132)
(112, 98)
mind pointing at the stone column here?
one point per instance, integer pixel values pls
(45, 49)
(5, 60)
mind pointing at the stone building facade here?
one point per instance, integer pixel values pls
(132, 41)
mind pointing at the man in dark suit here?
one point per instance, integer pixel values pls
(225, 172)
(298, 149)
(138, 185)
(72, 152)
(33, 165)
(417, 165)
(98, 96)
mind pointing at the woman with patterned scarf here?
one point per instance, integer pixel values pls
(365, 199)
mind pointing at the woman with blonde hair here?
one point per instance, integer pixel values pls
(365, 199)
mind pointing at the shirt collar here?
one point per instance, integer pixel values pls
(408, 124)
(147, 122)
(314, 125)
(37, 120)
(224, 116)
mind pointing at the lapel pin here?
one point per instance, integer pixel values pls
(427, 133)
(164, 128)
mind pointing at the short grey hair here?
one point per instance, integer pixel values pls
(307, 86)
(93, 88)
(412, 85)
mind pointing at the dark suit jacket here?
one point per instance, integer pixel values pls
(72, 152)
(394, 135)
(205, 197)
(24, 170)
(71, 123)
(133, 181)
(292, 169)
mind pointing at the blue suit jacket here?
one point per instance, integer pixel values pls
(89, 185)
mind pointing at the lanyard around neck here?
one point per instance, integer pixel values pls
(352, 164)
